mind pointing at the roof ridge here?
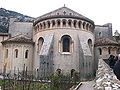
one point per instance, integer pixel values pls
(19, 38)
(60, 13)
(105, 41)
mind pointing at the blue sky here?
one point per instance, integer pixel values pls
(100, 11)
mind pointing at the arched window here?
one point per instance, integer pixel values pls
(44, 25)
(90, 44)
(26, 54)
(6, 54)
(64, 22)
(72, 72)
(83, 25)
(59, 71)
(66, 42)
(87, 26)
(48, 24)
(100, 51)
(40, 43)
(40, 26)
(16, 53)
(79, 24)
(100, 34)
(70, 22)
(58, 23)
(75, 23)
(66, 45)
(109, 50)
(53, 23)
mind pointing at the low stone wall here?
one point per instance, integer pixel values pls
(105, 78)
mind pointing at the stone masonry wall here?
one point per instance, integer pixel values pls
(1, 51)
(46, 56)
(105, 78)
(16, 28)
(105, 30)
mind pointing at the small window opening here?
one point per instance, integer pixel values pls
(48, 24)
(84, 25)
(72, 72)
(66, 44)
(26, 54)
(75, 23)
(53, 23)
(100, 51)
(6, 53)
(69, 23)
(64, 23)
(90, 44)
(16, 53)
(109, 50)
(79, 24)
(44, 25)
(59, 71)
(58, 22)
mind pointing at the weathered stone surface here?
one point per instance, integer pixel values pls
(16, 28)
(105, 78)
(46, 56)
(47, 44)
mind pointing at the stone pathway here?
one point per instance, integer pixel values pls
(87, 85)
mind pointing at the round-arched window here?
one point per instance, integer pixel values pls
(83, 25)
(75, 23)
(100, 51)
(79, 24)
(16, 53)
(59, 71)
(90, 44)
(40, 43)
(72, 72)
(58, 22)
(53, 23)
(66, 42)
(48, 24)
(26, 54)
(64, 22)
(70, 23)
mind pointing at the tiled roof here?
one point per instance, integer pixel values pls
(62, 12)
(106, 41)
(19, 39)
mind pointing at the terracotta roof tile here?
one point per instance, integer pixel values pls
(106, 41)
(19, 39)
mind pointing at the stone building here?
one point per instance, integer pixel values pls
(62, 40)
(18, 51)
(105, 42)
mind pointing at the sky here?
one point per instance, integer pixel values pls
(100, 11)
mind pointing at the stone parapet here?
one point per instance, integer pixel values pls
(105, 78)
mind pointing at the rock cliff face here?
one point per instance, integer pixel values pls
(5, 16)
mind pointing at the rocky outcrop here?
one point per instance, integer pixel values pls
(105, 78)
(5, 16)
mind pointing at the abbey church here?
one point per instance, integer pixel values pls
(62, 40)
